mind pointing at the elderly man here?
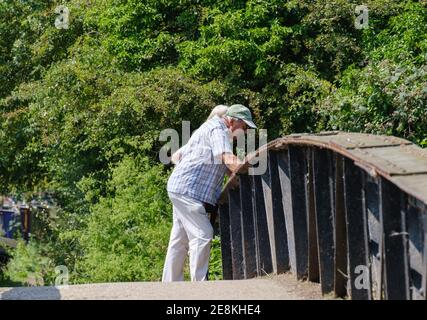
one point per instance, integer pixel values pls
(196, 182)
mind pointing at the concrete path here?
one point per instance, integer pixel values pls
(280, 287)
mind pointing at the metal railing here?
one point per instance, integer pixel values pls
(344, 209)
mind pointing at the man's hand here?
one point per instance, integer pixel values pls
(176, 157)
(231, 161)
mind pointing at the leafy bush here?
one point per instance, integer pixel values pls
(128, 230)
(29, 266)
(215, 261)
(388, 95)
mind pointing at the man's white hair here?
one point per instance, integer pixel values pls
(219, 111)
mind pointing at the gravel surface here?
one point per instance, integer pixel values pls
(282, 287)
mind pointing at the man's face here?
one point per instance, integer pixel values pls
(238, 127)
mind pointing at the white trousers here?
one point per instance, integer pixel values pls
(191, 231)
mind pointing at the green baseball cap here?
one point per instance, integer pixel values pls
(239, 111)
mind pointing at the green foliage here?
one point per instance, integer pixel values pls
(29, 266)
(404, 39)
(392, 100)
(128, 230)
(389, 94)
(215, 262)
(29, 41)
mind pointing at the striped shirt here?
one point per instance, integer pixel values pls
(200, 172)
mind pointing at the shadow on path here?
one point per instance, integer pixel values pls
(31, 293)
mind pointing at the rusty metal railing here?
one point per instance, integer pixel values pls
(344, 209)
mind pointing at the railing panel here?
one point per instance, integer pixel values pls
(275, 215)
(324, 204)
(396, 279)
(424, 271)
(263, 248)
(375, 235)
(224, 222)
(340, 235)
(248, 228)
(236, 234)
(313, 252)
(358, 259)
(415, 227)
(292, 171)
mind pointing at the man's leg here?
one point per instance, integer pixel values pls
(173, 269)
(199, 231)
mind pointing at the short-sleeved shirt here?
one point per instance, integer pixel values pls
(200, 172)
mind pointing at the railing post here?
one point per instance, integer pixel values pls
(375, 235)
(424, 270)
(275, 215)
(224, 223)
(357, 233)
(292, 171)
(324, 203)
(416, 233)
(313, 252)
(264, 263)
(395, 252)
(236, 234)
(248, 227)
(340, 235)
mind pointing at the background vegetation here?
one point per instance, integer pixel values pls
(81, 108)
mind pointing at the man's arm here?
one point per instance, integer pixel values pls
(222, 151)
(231, 161)
(176, 157)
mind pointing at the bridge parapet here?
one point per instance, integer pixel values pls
(348, 210)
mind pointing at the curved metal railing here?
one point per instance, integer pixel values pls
(347, 210)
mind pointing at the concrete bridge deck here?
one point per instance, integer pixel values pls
(279, 287)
